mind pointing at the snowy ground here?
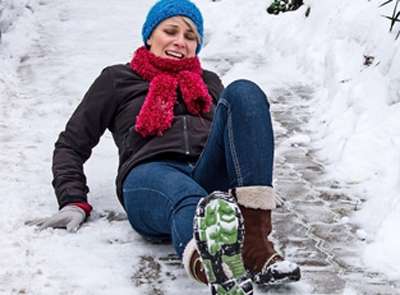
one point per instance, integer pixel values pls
(51, 52)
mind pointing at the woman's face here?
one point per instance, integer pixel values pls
(173, 38)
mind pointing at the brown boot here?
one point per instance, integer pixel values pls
(192, 263)
(259, 256)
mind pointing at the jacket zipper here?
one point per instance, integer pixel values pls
(186, 135)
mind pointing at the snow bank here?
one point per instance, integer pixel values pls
(356, 122)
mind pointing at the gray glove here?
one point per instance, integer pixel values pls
(69, 217)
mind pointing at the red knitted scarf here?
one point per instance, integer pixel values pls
(165, 76)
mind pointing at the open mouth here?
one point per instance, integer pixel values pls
(174, 54)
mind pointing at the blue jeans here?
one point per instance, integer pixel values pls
(160, 197)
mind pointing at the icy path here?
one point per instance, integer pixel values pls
(70, 42)
(313, 227)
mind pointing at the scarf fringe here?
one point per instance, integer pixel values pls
(156, 114)
(194, 91)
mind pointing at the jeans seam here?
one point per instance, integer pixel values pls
(232, 144)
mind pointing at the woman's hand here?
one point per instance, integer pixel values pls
(69, 217)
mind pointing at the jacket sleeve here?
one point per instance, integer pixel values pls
(82, 132)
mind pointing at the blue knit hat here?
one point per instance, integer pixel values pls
(167, 8)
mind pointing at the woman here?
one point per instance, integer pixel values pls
(189, 150)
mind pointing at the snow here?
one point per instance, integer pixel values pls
(50, 52)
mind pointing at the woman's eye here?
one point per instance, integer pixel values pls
(170, 32)
(190, 37)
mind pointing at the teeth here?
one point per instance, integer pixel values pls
(174, 54)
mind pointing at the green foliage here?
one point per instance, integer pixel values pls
(279, 6)
(395, 17)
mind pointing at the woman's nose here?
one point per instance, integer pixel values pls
(180, 40)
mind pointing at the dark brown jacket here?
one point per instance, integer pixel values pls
(113, 102)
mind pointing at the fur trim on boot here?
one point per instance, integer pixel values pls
(256, 197)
